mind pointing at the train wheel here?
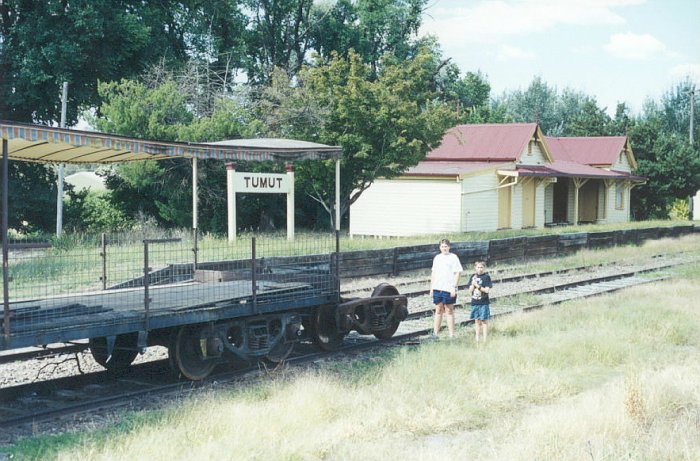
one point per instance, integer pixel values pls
(186, 355)
(124, 352)
(324, 331)
(384, 289)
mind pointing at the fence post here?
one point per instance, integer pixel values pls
(103, 255)
(146, 280)
(337, 264)
(253, 270)
(5, 243)
(195, 250)
(395, 262)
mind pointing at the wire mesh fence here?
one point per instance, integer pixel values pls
(116, 278)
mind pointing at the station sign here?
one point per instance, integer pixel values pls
(261, 183)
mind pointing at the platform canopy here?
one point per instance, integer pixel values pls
(42, 144)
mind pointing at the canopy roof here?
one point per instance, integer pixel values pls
(37, 143)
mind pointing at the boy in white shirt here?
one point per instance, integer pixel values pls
(443, 286)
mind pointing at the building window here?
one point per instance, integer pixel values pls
(620, 197)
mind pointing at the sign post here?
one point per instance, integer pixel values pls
(290, 202)
(231, 200)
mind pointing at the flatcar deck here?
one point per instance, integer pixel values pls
(75, 316)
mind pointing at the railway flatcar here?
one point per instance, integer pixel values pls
(247, 300)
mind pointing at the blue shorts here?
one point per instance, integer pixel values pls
(443, 297)
(481, 312)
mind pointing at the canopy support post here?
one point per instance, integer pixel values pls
(290, 202)
(61, 167)
(231, 200)
(337, 195)
(5, 243)
(195, 193)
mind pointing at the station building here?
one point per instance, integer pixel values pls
(502, 176)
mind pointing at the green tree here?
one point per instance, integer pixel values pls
(384, 125)
(672, 169)
(32, 197)
(622, 122)
(85, 41)
(279, 37)
(93, 212)
(538, 103)
(369, 28)
(660, 139)
(283, 33)
(163, 190)
(571, 113)
(590, 120)
(44, 43)
(150, 113)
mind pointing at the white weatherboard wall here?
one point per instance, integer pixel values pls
(540, 203)
(622, 164)
(548, 203)
(602, 203)
(480, 202)
(517, 211)
(403, 207)
(534, 156)
(616, 215)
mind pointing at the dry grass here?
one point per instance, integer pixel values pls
(616, 377)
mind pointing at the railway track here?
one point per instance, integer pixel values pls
(413, 292)
(84, 394)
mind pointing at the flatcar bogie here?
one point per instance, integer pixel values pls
(323, 328)
(386, 324)
(190, 352)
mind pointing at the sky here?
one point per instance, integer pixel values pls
(614, 50)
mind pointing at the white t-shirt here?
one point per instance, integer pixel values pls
(444, 269)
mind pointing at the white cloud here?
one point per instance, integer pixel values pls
(634, 46)
(513, 52)
(494, 19)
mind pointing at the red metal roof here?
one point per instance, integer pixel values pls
(489, 142)
(563, 168)
(451, 169)
(472, 148)
(599, 150)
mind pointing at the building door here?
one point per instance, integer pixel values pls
(505, 207)
(561, 200)
(529, 188)
(588, 202)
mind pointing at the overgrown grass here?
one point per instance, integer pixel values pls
(615, 377)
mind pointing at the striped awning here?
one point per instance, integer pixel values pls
(42, 144)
